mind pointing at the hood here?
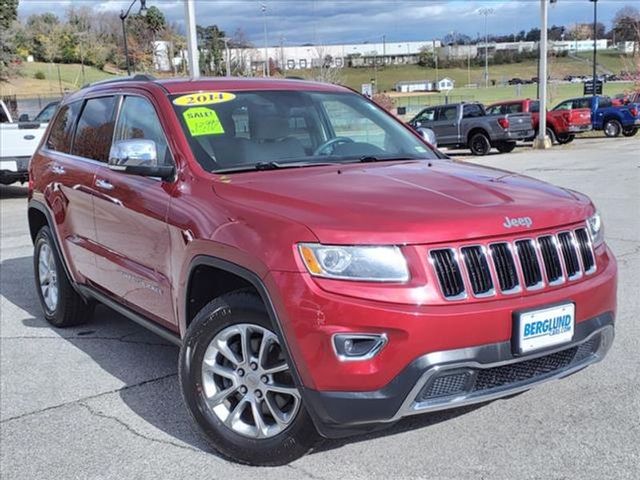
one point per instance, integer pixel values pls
(412, 202)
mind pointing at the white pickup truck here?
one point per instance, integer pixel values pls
(18, 141)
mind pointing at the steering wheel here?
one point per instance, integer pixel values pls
(331, 143)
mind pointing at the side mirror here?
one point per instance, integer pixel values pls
(428, 135)
(138, 157)
(23, 118)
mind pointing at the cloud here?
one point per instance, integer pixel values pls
(336, 21)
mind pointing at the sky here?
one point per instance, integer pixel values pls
(295, 22)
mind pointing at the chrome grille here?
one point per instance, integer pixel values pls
(551, 259)
(448, 272)
(584, 244)
(478, 270)
(530, 265)
(505, 266)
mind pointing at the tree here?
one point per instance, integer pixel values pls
(155, 20)
(210, 45)
(8, 14)
(556, 32)
(626, 26)
(426, 57)
(533, 35)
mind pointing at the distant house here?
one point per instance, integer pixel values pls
(446, 84)
(415, 86)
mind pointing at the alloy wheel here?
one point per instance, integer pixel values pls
(48, 277)
(247, 382)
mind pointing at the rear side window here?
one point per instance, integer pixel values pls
(95, 129)
(604, 102)
(514, 108)
(534, 107)
(62, 129)
(582, 103)
(471, 111)
(495, 110)
(448, 113)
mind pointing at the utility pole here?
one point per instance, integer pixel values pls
(265, 70)
(192, 41)
(228, 55)
(384, 48)
(542, 141)
(435, 58)
(486, 12)
(595, 42)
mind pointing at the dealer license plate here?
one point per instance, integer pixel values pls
(544, 328)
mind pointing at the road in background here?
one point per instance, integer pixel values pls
(102, 401)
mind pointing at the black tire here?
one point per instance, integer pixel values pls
(71, 309)
(565, 138)
(612, 128)
(630, 132)
(479, 144)
(552, 135)
(506, 147)
(240, 307)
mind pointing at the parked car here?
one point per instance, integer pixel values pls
(320, 266)
(562, 125)
(613, 120)
(18, 141)
(466, 125)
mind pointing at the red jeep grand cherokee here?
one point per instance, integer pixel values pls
(320, 266)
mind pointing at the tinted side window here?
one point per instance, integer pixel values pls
(582, 103)
(427, 115)
(471, 111)
(495, 110)
(95, 129)
(448, 113)
(604, 102)
(534, 107)
(62, 129)
(568, 105)
(514, 108)
(138, 120)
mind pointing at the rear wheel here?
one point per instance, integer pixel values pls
(239, 386)
(612, 128)
(630, 132)
(565, 138)
(506, 147)
(62, 305)
(479, 144)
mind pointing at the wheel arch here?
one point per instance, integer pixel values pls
(248, 278)
(475, 130)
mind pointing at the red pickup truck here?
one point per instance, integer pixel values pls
(562, 125)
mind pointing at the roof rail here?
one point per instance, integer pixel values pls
(139, 77)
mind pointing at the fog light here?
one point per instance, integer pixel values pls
(356, 346)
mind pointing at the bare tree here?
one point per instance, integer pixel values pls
(325, 68)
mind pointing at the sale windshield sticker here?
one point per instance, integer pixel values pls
(202, 121)
(203, 98)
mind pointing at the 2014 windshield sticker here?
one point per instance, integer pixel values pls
(203, 98)
(202, 121)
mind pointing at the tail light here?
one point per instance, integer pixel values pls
(634, 111)
(503, 122)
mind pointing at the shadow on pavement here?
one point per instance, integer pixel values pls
(129, 352)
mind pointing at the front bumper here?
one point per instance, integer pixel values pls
(455, 378)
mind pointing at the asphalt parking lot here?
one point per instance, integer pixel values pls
(102, 401)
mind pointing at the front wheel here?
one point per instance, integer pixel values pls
(565, 138)
(506, 147)
(612, 128)
(630, 132)
(239, 386)
(479, 144)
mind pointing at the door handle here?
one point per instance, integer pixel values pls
(58, 170)
(103, 184)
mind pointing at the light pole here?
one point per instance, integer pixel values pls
(123, 17)
(193, 59)
(595, 43)
(542, 141)
(486, 12)
(265, 68)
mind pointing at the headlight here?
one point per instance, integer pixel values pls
(365, 263)
(596, 229)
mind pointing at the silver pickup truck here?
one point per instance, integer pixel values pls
(18, 141)
(467, 125)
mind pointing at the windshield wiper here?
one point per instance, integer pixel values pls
(273, 165)
(373, 158)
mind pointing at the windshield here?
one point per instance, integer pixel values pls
(245, 130)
